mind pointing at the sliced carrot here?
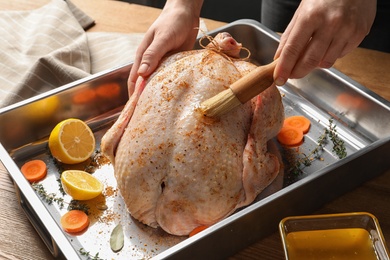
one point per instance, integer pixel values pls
(300, 122)
(290, 136)
(108, 90)
(84, 97)
(349, 101)
(74, 221)
(197, 230)
(34, 170)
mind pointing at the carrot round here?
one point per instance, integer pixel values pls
(290, 136)
(74, 221)
(84, 97)
(34, 170)
(108, 90)
(197, 230)
(299, 122)
(349, 101)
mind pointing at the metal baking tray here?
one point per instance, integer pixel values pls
(362, 122)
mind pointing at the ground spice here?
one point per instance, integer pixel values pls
(109, 216)
(110, 191)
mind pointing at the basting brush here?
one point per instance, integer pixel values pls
(240, 91)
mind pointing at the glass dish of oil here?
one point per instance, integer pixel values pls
(333, 236)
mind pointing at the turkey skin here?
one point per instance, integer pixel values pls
(177, 169)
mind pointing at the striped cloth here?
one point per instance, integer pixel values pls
(48, 47)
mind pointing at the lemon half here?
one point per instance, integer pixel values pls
(71, 141)
(42, 110)
(81, 185)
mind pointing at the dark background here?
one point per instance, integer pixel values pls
(220, 10)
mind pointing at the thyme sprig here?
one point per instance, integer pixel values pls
(87, 254)
(338, 148)
(94, 163)
(60, 187)
(338, 144)
(51, 198)
(76, 204)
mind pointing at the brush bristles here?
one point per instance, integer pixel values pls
(220, 103)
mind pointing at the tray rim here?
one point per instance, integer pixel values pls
(58, 238)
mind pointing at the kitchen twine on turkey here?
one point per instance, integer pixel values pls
(218, 49)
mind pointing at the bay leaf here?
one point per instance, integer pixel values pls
(117, 238)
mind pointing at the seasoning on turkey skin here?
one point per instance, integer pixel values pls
(177, 169)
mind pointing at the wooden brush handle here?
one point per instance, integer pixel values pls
(254, 82)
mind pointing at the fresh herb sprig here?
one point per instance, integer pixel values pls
(76, 204)
(94, 163)
(87, 254)
(338, 144)
(339, 149)
(60, 187)
(51, 198)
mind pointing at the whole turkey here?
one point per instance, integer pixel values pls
(177, 169)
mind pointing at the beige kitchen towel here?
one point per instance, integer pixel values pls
(110, 50)
(48, 47)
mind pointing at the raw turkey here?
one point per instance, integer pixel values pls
(177, 169)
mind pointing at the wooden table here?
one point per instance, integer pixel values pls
(370, 68)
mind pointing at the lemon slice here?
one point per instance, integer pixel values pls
(71, 141)
(81, 185)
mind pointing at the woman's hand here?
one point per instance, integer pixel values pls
(174, 30)
(320, 32)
